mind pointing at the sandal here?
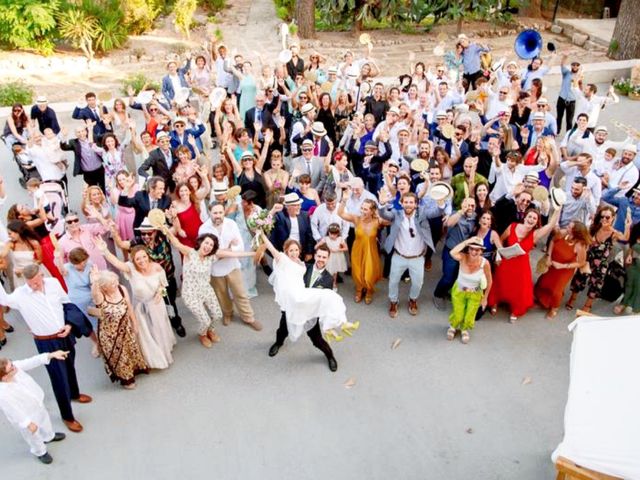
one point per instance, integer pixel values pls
(465, 337)
(494, 310)
(358, 297)
(551, 314)
(512, 319)
(569, 306)
(451, 333)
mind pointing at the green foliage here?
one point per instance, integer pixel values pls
(141, 14)
(213, 6)
(409, 16)
(283, 13)
(184, 10)
(15, 92)
(623, 86)
(139, 82)
(28, 24)
(79, 29)
(286, 9)
(112, 30)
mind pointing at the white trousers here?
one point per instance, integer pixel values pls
(44, 433)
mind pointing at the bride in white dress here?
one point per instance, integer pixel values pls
(303, 305)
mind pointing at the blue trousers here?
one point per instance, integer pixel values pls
(449, 274)
(62, 373)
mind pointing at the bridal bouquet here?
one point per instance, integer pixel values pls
(257, 222)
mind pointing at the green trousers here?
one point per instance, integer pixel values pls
(465, 307)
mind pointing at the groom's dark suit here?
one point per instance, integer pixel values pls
(325, 280)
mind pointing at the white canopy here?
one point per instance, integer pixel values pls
(602, 416)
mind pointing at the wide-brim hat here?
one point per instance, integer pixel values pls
(182, 95)
(292, 199)
(475, 242)
(306, 108)
(318, 129)
(558, 197)
(419, 165)
(540, 193)
(145, 225)
(440, 191)
(219, 189)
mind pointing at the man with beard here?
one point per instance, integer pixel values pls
(508, 210)
(567, 98)
(316, 276)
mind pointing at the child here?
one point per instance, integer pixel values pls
(22, 401)
(51, 142)
(337, 260)
(605, 166)
(34, 187)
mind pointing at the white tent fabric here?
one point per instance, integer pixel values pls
(602, 416)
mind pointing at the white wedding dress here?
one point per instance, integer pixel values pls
(303, 305)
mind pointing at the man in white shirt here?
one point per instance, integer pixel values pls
(39, 302)
(498, 102)
(48, 165)
(325, 215)
(624, 175)
(225, 273)
(581, 167)
(597, 144)
(22, 401)
(588, 102)
(302, 126)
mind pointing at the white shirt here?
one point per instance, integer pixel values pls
(175, 81)
(621, 174)
(42, 312)
(353, 204)
(45, 163)
(405, 244)
(322, 218)
(297, 129)
(591, 106)
(22, 399)
(593, 181)
(495, 105)
(226, 233)
(294, 231)
(224, 79)
(597, 151)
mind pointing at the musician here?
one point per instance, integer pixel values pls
(471, 60)
(567, 97)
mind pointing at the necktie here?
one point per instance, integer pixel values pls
(259, 116)
(314, 276)
(309, 167)
(95, 114)
(154, 204)
(316, 148)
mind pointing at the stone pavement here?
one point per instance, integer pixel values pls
(427, 409)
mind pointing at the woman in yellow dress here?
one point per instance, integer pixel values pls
(366, 268)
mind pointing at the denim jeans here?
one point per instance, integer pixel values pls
(416, 272)
(449, 274)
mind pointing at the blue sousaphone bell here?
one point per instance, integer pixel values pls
(528, 44)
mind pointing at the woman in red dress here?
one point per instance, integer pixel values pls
(185, 210)
(567, 252)
(512, 282)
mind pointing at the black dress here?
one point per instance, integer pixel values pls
(256, 185)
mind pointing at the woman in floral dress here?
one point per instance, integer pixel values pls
(603, 235)
(197, 293)
(117, 329)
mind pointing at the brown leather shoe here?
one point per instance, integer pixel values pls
(205, 341)
(213, 336)
(226, 321)
(73, 425)
(256, 325)
(413, 307)
(393, 309)
(83, 399)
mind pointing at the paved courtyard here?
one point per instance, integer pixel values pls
(427, 409)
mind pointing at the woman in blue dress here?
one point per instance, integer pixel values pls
(247, 87)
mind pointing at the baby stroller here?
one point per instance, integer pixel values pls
(56, 195)
(26, 166)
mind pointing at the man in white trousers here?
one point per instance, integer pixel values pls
(22, 401)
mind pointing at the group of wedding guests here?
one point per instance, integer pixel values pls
(311, 173)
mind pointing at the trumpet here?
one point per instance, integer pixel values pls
(628, 129)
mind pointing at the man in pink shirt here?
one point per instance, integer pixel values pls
(82, 236)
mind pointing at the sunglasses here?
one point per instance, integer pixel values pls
(146, 234)
(18, 109)
(72, 221)
(503, 93)
(307, 149)
(153, 109)
(607, 217)
(412, 232)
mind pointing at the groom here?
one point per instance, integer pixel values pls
(315, 277)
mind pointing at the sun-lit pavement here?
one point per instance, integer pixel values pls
(429, 408)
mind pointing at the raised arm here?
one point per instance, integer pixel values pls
(349, 217)
(182, 248)
(111, 258)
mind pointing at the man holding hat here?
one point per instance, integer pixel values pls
(471, 60)
(144, 201)
(44, 115)
(597, 144)
(567, 98)
(531, 133)
(317, 133)
(579, 206)
(160, 161)
(582, 167)
(179, 136)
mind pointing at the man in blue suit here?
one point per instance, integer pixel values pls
(180, 135)
(175, 79)
(94, 112)
(293, 223)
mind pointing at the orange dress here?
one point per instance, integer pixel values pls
(366, 268)
(549, 289)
